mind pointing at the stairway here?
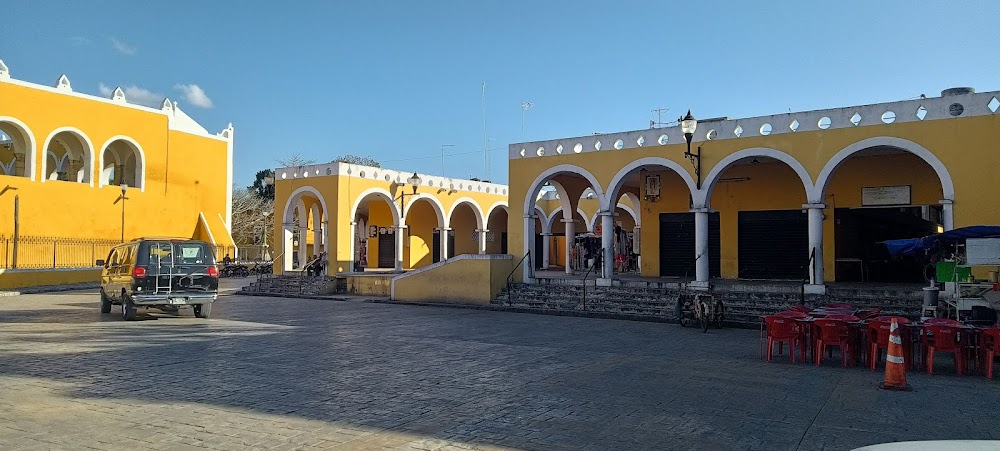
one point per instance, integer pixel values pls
(286, 285)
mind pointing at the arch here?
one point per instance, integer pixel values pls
(480, 220)
(947, 183)
(500, 204)
(88, 152)
(629, 210)
(616, 182)
(377, 192)
(635, 205)
(29, 138)
(588, 223)
(704, 197)
(536, 186)
(296, 196)
(140, 160)
(435, 204)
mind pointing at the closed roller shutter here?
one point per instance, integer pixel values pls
(387, 250)
(773, 244)
(677, 236)
(436, 254)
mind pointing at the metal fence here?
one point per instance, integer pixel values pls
(36, 252)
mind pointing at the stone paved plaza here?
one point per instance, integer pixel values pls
(303, 374)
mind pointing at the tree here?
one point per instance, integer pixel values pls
(253, 217)
(355, 159)
(261, 189)
(294, 160)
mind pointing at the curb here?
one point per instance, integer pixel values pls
(293, 296)
(50, 289)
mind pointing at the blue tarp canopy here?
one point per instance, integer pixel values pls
(916, 246)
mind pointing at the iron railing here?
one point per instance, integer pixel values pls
(39, 252)
(510, 277)
(585, 276)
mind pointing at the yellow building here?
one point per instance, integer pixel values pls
(796, 196)
(367, 218)
(87, 172)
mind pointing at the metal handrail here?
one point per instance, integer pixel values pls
(590, 270)
(510, 277)
(810, 273)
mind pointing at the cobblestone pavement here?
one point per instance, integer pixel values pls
(297, 373)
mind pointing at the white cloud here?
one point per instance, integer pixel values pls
(135, 94)
(195, 95)
(122, 47)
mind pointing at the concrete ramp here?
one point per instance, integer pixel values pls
(464, 279)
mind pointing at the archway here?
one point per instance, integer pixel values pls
(377, 238)
(305, 211)
(559, 239)
(17, 149)
(69, 156)
(759, 193)
(877, 190)
(424, 220)
(123, 162)
(496, 225)
(465, 219)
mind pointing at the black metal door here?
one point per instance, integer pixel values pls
(503, 243)
(677, 235)
(387, 250)
(536, 255)
(436, 244)
(773, 244)
(451, 244)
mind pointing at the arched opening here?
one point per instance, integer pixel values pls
(304, 229)
(377, 242)
(581, 233)
(663, 190)
(123, 162)
(759, 194)
(496, 224)
(17, 149)
(68, 157)
(879, 193)
(424, 221)
(466, 223)
(564, 184)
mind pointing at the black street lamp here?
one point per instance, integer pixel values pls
(413, 181)
(688, 125)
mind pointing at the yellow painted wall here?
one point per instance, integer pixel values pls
(967, 147)
(421, 222)
(23, 278)
(461, 280)
(185, 174)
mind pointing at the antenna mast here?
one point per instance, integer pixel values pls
(486, 144)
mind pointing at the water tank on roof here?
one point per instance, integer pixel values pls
(957, 91)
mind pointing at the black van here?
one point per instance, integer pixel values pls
(160, 272)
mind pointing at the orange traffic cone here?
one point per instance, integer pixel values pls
(895, 366)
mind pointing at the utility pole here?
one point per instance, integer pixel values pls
(486, 149)
(442, 156)
(17, 228)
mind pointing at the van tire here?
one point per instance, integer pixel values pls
(105, 303)
(203, 310)
(128, 308)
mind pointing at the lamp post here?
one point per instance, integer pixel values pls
(122, 198)
(414, 182)
(688, 125)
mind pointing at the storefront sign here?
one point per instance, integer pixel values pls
(885, 195)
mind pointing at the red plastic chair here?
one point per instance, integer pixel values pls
(942, 322)
(781, 330)
(833, 332)
(799, 308)
(990, 339)
(868, 314)
(843, 317)
(793, 314)
(878, 338)
(839, 306)
(944, 338)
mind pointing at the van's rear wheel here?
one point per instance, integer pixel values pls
(128, 308)
(203, 310)
(105, 303)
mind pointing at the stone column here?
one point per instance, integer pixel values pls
(816, 284)
(546, 244)
(302, 245)
(400, 237)
(528, 240)
(482, 240)
(352, 248)
(948, 214)
(443, 235)
(701, 267)
(608, 244)
(287, 237)
(637, 238)
(317, 237)
(570, 238)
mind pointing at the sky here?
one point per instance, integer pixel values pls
(396, 80)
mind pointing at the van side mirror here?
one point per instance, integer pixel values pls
(101, 263)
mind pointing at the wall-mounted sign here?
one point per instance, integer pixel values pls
(885, 195)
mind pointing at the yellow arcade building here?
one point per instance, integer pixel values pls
(801, 196)
(369, 219)
(80, 173)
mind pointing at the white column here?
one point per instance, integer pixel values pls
(482, 240)
(608, 243)
(444, 242)
(317, 237)
(701, 268)
(351, 258)
(948, 214)
(528, 241)
(570, 238)
(302, 245)
(816, 283)
(400, 237)
(325, 235)
(287, 236)
(546, 244)
(637, 245)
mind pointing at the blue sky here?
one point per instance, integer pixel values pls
(397, 79)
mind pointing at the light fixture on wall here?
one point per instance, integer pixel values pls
(688, 125)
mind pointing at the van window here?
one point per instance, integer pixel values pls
(193, 254)
(113, 259)
(160, 253)
(127, 256)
